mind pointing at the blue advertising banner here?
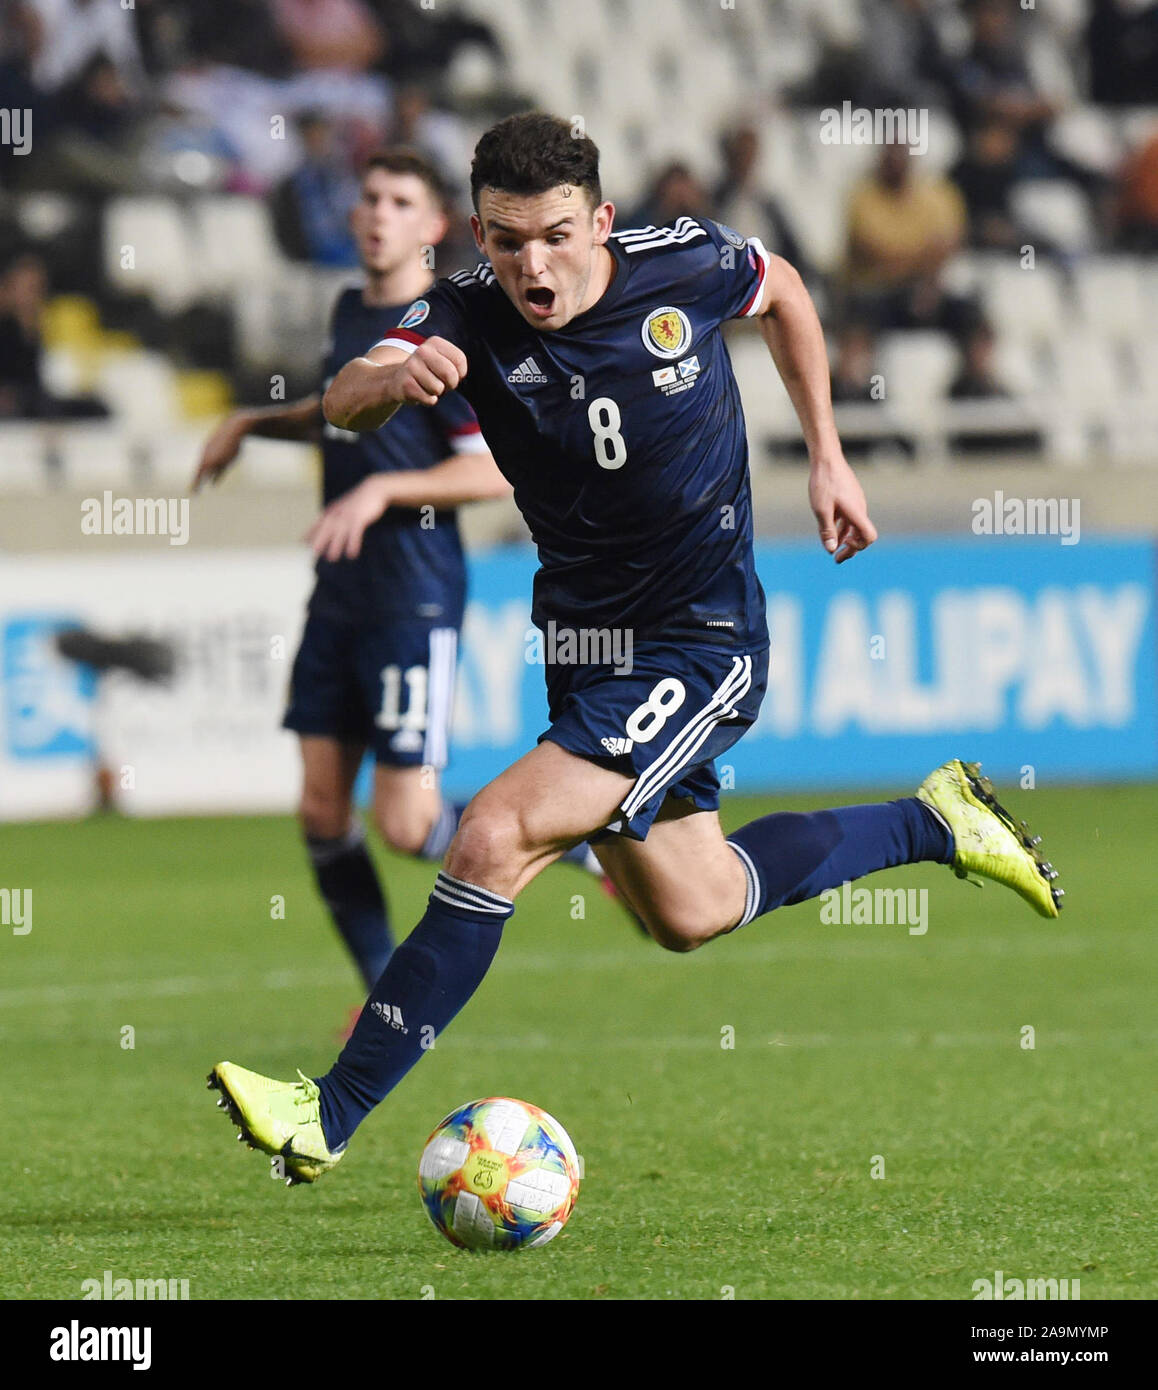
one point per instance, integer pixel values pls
(1036, 657)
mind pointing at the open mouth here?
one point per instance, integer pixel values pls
(541, 300)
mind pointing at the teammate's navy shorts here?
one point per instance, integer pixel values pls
(390, 687)
(663, 724)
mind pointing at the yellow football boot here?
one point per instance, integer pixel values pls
(987, 840)
(278, 1117)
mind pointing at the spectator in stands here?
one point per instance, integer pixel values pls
(66, 35)
(23, 289)
(674, 192)
(902, 228)
(237, 33)
(986, 175)
(311, 208)
(341, 34)
(976, 378)
(854, 369)
(1137, 207)
(740, 202)
(903, 63)
(993, 82)
(1122, 46)
(425, 39)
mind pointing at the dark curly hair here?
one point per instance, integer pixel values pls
(532, 153)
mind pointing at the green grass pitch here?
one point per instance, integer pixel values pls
(712, 1171)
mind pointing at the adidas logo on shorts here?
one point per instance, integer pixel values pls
(527, 373)
(617, 746)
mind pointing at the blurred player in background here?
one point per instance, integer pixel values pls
(376, 665)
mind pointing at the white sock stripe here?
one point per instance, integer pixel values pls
(494, 902)
(731, 689)
(751, 898)
(465, 904)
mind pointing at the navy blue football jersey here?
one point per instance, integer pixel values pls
(408, 568)
(622, 433)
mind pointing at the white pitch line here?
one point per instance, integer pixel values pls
(897, 948)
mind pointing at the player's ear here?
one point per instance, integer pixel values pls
(602, 218)
(477, 229)
(439, 226)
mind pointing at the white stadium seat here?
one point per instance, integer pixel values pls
(917, 366)
(1024, 303)
(95, 456)
(1054, 209)
(141, 390)
(23, 458)
(148, 249)
(1089, 136)
(1110, 296)
(236, 242)
(767, 407)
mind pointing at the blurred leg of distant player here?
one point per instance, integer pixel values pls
(337, 848)
(411, 817)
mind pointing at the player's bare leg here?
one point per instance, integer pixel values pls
(329, 769)
(407, 804)
(684, 882)
(529, 815)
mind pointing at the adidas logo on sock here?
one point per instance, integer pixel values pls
(527, 372)
(389, 1013)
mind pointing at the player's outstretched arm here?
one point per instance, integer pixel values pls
(792, 330)
(299, 420)
(368, 390)
(459, 479)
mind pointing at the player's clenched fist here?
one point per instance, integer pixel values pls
(368, 390)
(432, 368)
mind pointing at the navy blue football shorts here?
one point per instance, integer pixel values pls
(664, 723)
(389, 687)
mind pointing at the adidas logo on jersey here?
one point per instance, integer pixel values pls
(617, 746)
(527, 373)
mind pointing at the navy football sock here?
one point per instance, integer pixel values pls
(348, 884)
(789, 858)
(430, 977)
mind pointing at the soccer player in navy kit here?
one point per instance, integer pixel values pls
(595, 363)
(377, 658)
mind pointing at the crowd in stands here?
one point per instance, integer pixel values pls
(280, 100)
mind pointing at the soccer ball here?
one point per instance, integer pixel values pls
(499, 1174)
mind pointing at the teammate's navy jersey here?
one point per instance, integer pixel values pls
(409, 568)
(622, 433)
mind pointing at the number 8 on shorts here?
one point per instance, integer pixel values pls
(649, 718)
